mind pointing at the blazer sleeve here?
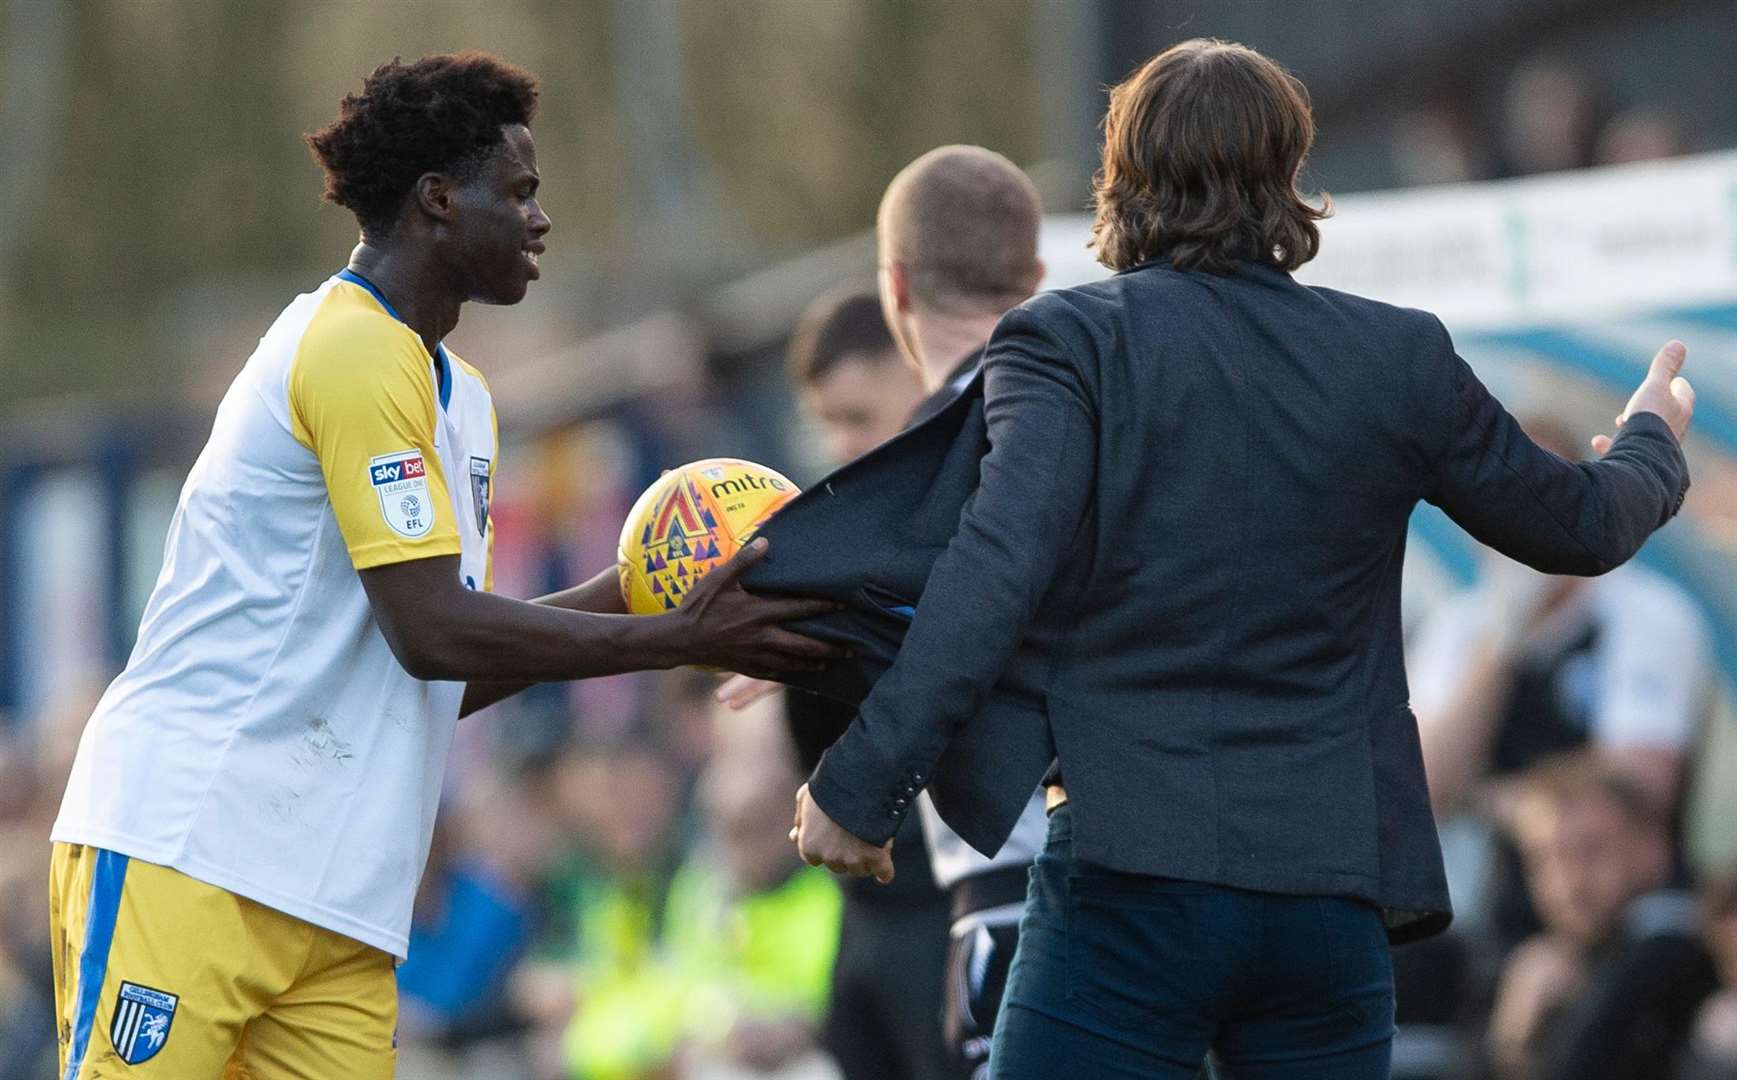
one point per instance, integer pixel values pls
(1554, 515)
(1033, 489)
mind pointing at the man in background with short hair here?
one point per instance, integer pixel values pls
(1609, 988)
(849, 374)
(957, 237)
(957, 232)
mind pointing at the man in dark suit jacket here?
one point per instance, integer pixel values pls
(1192, 514)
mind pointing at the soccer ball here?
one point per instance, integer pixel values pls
(691, 520)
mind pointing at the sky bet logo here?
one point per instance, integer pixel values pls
(409, 468)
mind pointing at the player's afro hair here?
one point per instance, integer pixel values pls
(441, 113)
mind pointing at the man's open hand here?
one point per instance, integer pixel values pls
(821, 842)
(1663, 392)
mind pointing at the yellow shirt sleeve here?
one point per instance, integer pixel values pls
(362, 398)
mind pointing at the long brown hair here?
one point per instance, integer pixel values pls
(1202, 147)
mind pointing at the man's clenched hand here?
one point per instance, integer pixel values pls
(821, 842)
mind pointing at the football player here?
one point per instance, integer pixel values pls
(253, 799)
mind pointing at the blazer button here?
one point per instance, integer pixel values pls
(900, 801)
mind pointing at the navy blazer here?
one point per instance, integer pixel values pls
(868, 536)
(1165, 543)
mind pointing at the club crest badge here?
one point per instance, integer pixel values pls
(479, 492)
(401, 482)
(140, 1027)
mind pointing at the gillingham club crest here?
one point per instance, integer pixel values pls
(479, 493)
(140, 1026)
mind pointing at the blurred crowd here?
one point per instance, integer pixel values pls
(1552, 114)
(1563, 721)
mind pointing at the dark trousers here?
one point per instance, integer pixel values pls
(885, 1019)
(1122, 975)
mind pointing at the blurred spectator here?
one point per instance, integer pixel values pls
(1551, 113)
(622, 802)
(476, 914)
(1552, 116)
(18, 779)
(1436, 144)
(1526, 665)
(719, 971)
(756, 929)
(26, 971)
(34, 762)
(1608, 989)
(680, 721)
(850, 375)
(27, 1019)
(1642, 133)
(1712, 1053)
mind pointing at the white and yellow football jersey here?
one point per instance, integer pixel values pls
(263, 738)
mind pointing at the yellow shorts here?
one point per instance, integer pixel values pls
(157, 974)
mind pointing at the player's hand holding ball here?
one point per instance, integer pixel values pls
(684, 548)
(732, 629)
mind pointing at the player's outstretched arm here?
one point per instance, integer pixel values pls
(438, 629)
(600, 595)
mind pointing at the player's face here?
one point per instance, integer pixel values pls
(862, 402)
(499, 230)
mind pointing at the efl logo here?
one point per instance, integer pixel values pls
(410, 468)
(401, 482)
